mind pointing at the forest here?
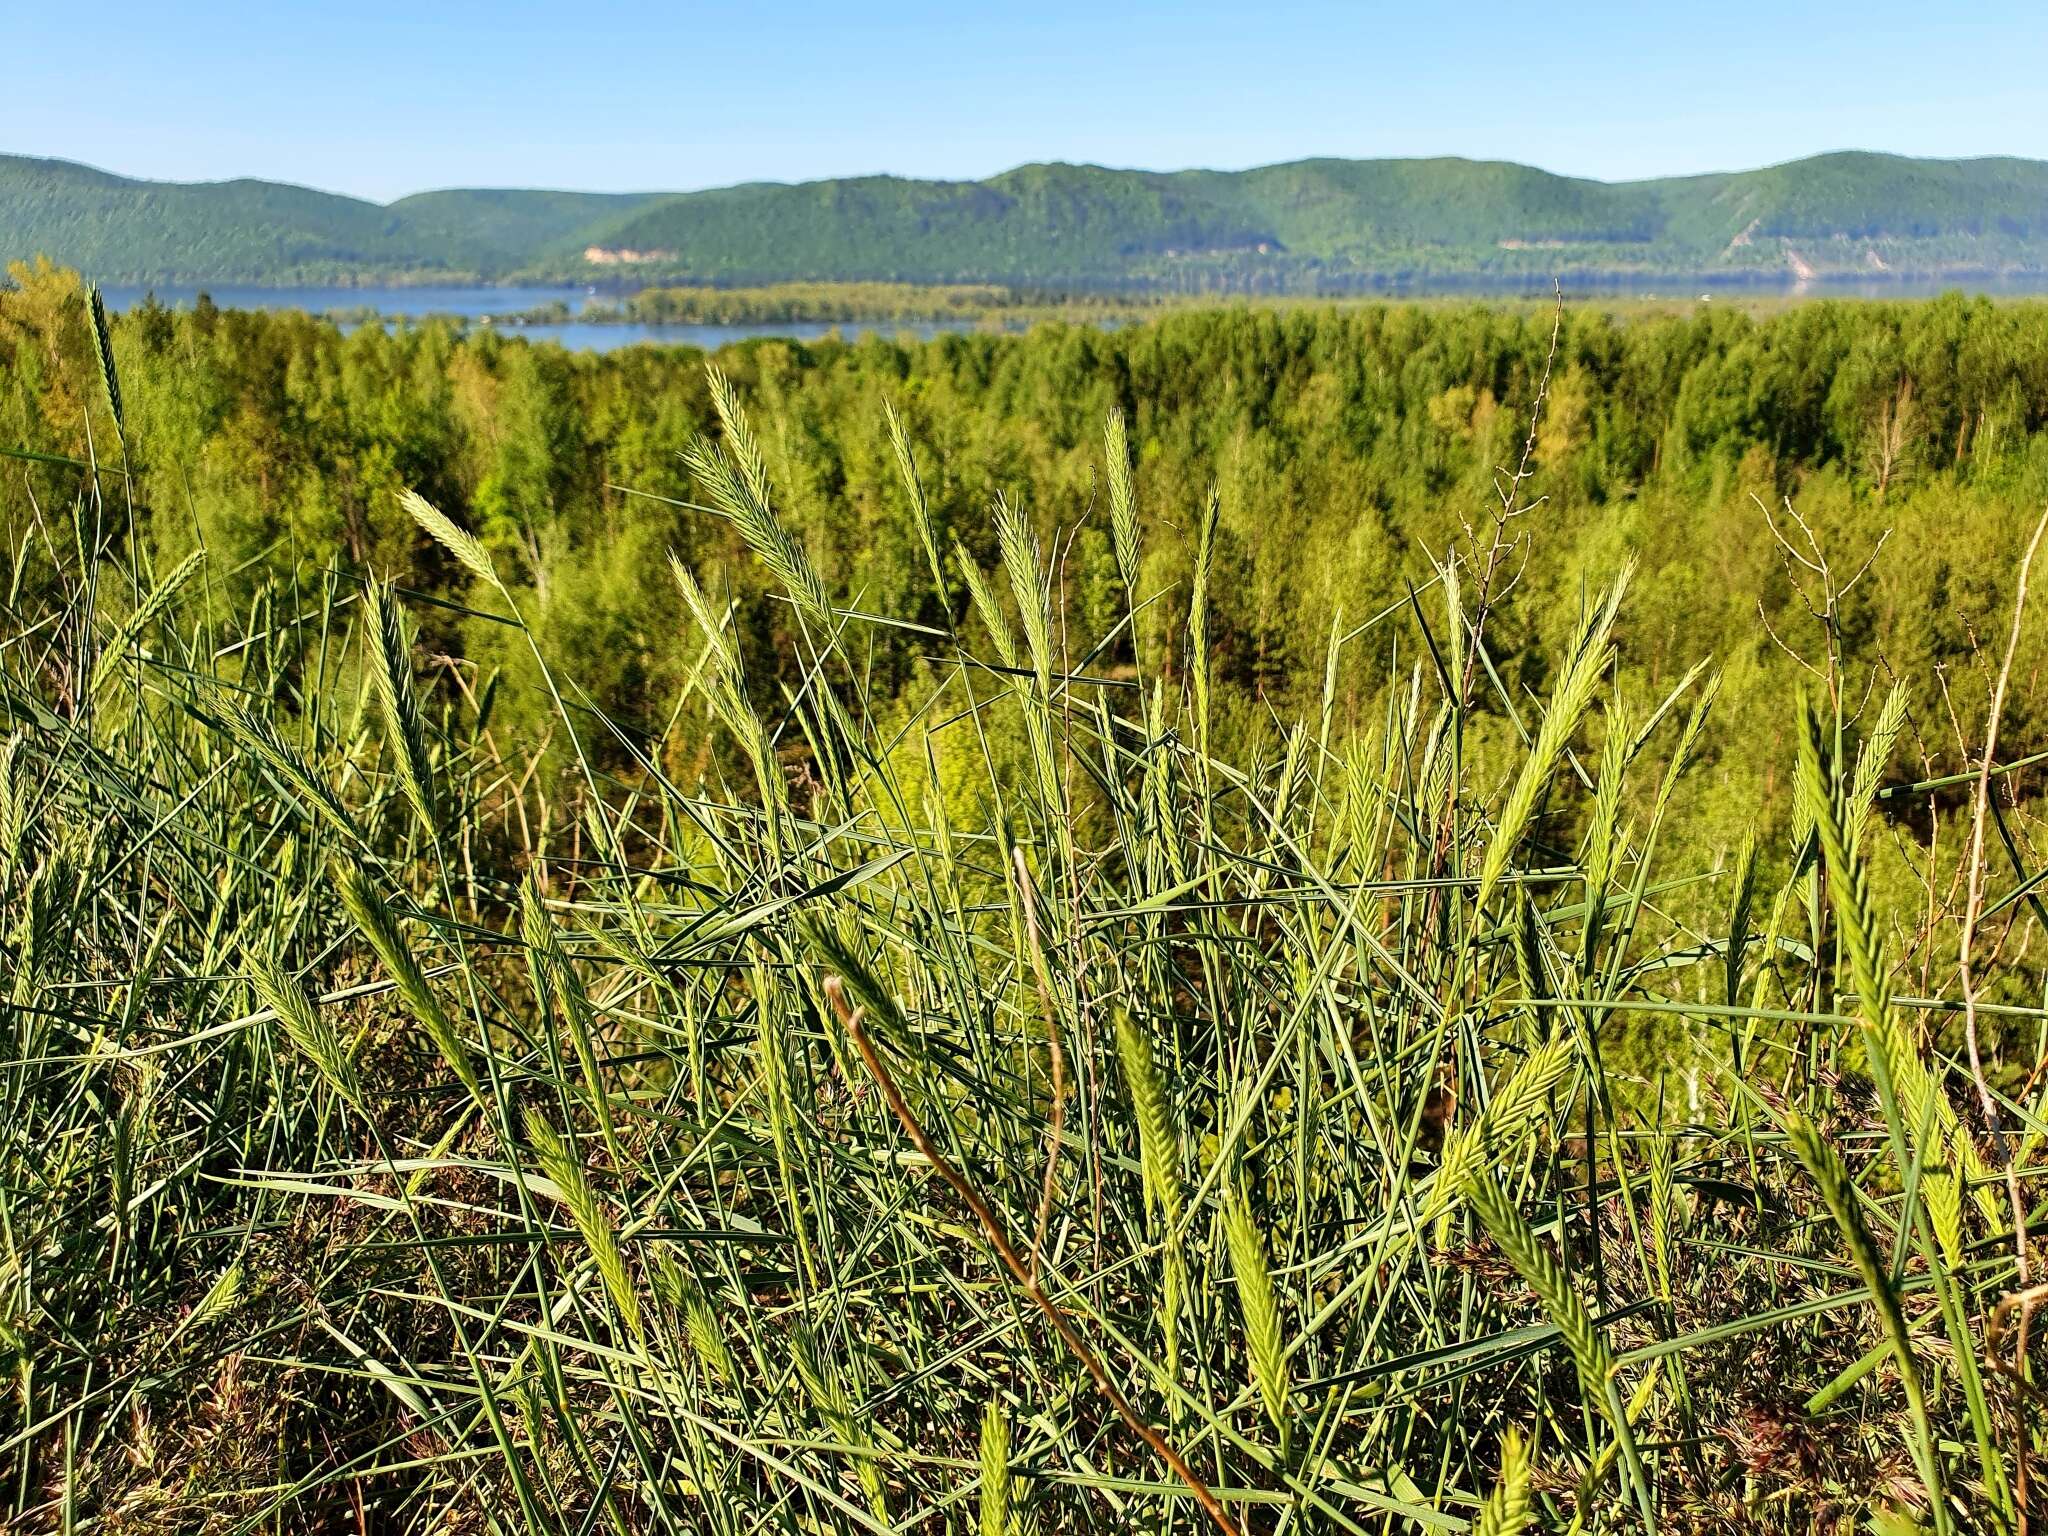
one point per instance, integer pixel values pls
(1348, 449)
(1366, 918)
(1305, 227)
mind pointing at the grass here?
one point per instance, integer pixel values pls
(873, 1137)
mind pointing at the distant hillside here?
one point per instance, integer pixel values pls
(491, 231)
(1310, 224)
(119, 230)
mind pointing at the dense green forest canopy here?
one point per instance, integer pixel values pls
(1309, 225)
(1349, 450)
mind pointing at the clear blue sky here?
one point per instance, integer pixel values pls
(380, 98)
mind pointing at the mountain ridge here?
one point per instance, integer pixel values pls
(1317, 223)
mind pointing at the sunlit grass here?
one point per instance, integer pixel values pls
(1166, 1141)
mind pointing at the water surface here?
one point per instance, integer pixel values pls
(470, 301)
(482, 304)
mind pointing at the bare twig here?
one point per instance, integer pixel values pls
(2024, 1303)
(850, 1017)
(1973, 907)
(1511, 506)
(1980, 805)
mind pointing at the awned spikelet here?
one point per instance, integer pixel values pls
(995, 1470)
(920, 506)
(146, 613)
(1553, 1288)
(457, 541)
(16, 839)
(1927, 1118)
(827, 1391)
(391, 678)
(1024, 565)
(1742, 898)
(722, 683)
(1506, 1510)
(1591, 656)
(305, 1026)
(1123, 502)
(1516, 1106)
(1821, 1160)
(560, 1162)
(1261, 1308)
(987, 607)
(308, 788)
(373, 919)
(1877, 751)
(707, 1337)
(1158, 1139)
(103, 354)
(220, 1299)
(557, 987)
(36, 931)
(677, 1289)
(1159, 1166)
(735, 477)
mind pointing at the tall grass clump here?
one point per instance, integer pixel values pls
(998, 1108)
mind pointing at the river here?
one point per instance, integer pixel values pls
(483, 304)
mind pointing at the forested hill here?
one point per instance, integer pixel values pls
(1312, 224)
(122, 230)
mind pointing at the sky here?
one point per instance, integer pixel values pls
(377, 99)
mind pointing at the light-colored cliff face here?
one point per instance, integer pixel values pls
(602, 256)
